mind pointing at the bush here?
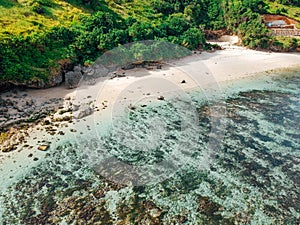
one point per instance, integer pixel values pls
(112, 39)
(285, 44)
(193, 38)
(38, 8)
(253, 32)
(141, 31)
(96, 34)
(176, 24)
(258, 6)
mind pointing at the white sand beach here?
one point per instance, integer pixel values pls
(110, 97)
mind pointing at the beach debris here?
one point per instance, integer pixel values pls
(131, 107)
(183, 81)
(160, 97)
(43, 147)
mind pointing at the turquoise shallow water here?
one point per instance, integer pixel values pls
(181, 161)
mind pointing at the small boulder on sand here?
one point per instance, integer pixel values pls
(43, 147)
(83, 111)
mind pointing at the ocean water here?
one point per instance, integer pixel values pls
(234, 160)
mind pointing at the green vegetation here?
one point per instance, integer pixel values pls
(290, 8)
(39, 38)
(285, 43)
(24, 17)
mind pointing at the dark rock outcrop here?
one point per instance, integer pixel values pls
(72, 79)
(34, 83)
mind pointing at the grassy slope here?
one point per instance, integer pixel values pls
(17, 17)
(139, 9)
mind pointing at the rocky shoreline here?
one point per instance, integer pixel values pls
(22, 108)
(20, 111)
(20, 115)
